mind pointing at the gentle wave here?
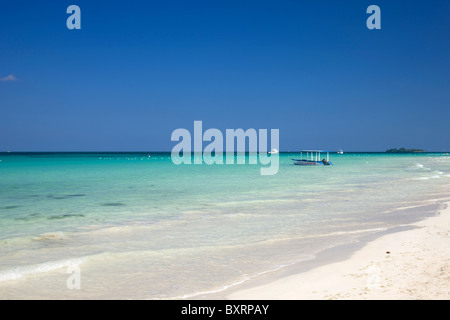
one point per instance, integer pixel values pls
(420, 205)
(420, 166)
(20, 272)
(427, 178)
(227, 286)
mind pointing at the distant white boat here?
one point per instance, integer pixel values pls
(274, 151)
(340, 151)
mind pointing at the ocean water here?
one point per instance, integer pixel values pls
(136, 226)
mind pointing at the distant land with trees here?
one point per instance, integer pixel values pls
(403, 150)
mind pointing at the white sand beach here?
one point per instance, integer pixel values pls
(411, 264)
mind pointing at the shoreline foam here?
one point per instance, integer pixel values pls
(411, 264)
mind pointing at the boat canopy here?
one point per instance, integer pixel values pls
(314, 155)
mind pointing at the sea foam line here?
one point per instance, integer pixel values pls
(428, 178)
(22, 271)
(225, 287)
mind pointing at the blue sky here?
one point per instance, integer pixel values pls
(137, 70)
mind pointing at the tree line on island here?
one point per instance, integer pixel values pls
(403, 150)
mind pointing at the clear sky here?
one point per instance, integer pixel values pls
(137, 70)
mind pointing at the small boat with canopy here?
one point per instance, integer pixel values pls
(313, 158)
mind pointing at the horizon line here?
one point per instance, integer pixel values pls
(160, 151)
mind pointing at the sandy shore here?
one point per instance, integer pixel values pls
(412, 264)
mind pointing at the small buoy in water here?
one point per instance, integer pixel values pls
(388, 252)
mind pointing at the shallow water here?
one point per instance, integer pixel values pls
(142, 227)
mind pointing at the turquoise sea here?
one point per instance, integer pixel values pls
(139, 227)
